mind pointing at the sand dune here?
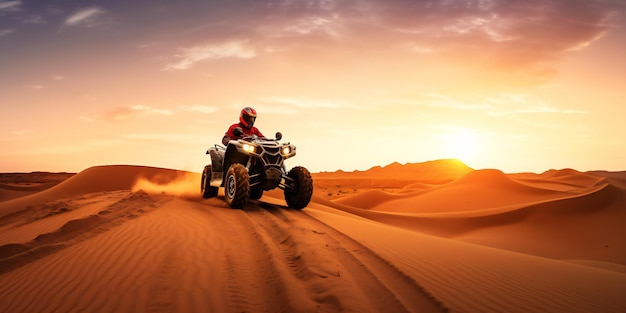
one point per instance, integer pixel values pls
(140, 239)
(91, 180)
(15, 185)
(477, 190)
(8, 192)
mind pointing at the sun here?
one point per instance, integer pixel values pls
(463, 144)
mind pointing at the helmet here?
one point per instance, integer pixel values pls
(247, 117)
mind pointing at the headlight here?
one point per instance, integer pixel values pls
(248, 147)
(286, 150)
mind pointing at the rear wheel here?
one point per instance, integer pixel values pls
(237, 186)
(206, 189)
(299, 196)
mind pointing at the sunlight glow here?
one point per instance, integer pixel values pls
(463, 144)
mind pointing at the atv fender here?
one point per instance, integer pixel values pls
(231, 157)
(217, 167)
(217, 158)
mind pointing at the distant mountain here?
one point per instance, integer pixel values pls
(435, 171)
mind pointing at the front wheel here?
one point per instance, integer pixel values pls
(206, 189)
(237, 186)
(299, 195)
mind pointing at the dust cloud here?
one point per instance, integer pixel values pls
(183, 185)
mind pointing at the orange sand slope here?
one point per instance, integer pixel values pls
(15, 185)
(391, 239)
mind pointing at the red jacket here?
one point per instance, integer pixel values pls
(228, 136)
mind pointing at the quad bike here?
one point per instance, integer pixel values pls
(248, 166)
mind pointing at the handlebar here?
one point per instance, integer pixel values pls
(279, 136)
(255, 137)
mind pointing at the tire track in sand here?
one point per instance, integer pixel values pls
(283, 260)
(74, 231)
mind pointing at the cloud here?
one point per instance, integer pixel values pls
(199, 109)
(293, 105)
(118, 114)
(130, 112)
(539, 109)
(493, 105)
(5, 32)
(515, 41)
(83, 16)
(169, 137)
(515, 33)
(313, 24)
(323, 5)
(512, 104)
(105, 143)
(86, 17)
(307, 25)
(420, 49)
(513, 38)
(150, 110)
(34, 19)
(86, 118)
(10, 6)
(22, 132)
(140, 111)
(306, 103)
(439, 100)
(272, 109)
(232, 49)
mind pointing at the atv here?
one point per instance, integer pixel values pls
(249, 166)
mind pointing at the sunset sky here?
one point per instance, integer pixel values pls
(517, 85)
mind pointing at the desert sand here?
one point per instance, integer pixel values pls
(426, 237)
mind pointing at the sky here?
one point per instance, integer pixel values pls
(516, 85)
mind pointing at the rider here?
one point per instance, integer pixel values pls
(246, 125)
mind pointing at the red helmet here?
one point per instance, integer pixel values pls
(247, 117)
